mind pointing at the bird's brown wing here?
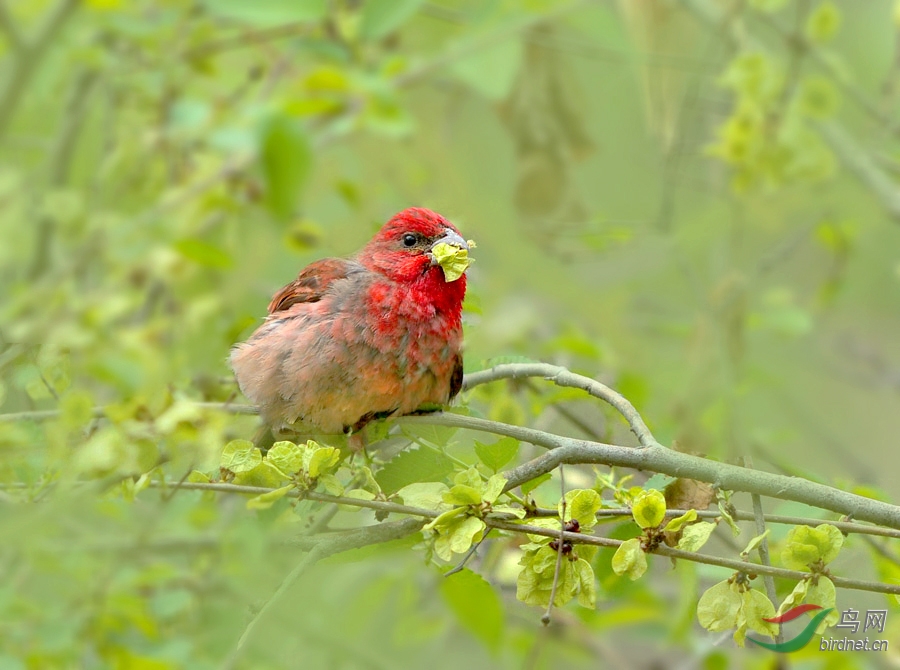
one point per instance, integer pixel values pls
(312, 283)
(456, 377)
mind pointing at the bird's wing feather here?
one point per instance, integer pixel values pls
(312, 283)
(456, 377)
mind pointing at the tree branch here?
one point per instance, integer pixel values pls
(502, 522)
(563, 377)
(732, 564)
(652, 457)
(725, 476)
(390, 507)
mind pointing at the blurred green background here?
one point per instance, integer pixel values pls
(694, 201)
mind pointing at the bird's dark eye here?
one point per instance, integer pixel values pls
(409, 240)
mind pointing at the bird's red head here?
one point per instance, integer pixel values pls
(402, 248)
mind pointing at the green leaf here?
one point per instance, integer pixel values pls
(445, 519)
(544, 560)
(805, 545)
(476, 605)
(76, 407)
(498, 454)
(587, 585)
(723, 510)
(493, 488)
(470, 477)
(322, 459)
(462, 494)
(426, 495)
(649, 508)
(679, 522)
(549, 523)
(266, 500)
(413, 465)
(453, 260)
(719, 607)
(695, 536)
(754, 544)
(659, 481)
(286, 456)
(464, 533)
(823, 23)
(824, 595)
(197, 477)
(819, 99)
(795, 597)
(381, 17)
(755, 607)
(582, 505)
(331, 484)
(286, 158)
(630, 559)
(263, 474)
(457, 536)
(240, 456)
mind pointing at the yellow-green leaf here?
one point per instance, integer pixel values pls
(493, 488)
(426, 495)
(719, 607)
(823, 23)
(286, 456)
(582, 505)
(649, 508)
(461, 494)
(679, 522)
(240, 456)
(266, 500)
(498, 454)
(695, 536)
(754, 543)
(453, 260)
(629, 559)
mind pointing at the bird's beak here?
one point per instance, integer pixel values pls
(451, 252)
(453, 239)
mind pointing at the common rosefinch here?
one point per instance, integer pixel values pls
(372, 336)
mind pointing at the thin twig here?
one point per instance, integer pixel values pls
(468, 555)
(559, 549)
(502, 522)
(563, 377)
(740, 515)
(763, 548)
(732, 564)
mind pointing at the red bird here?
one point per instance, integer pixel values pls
(372, 336)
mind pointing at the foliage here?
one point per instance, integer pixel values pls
(694, 204)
